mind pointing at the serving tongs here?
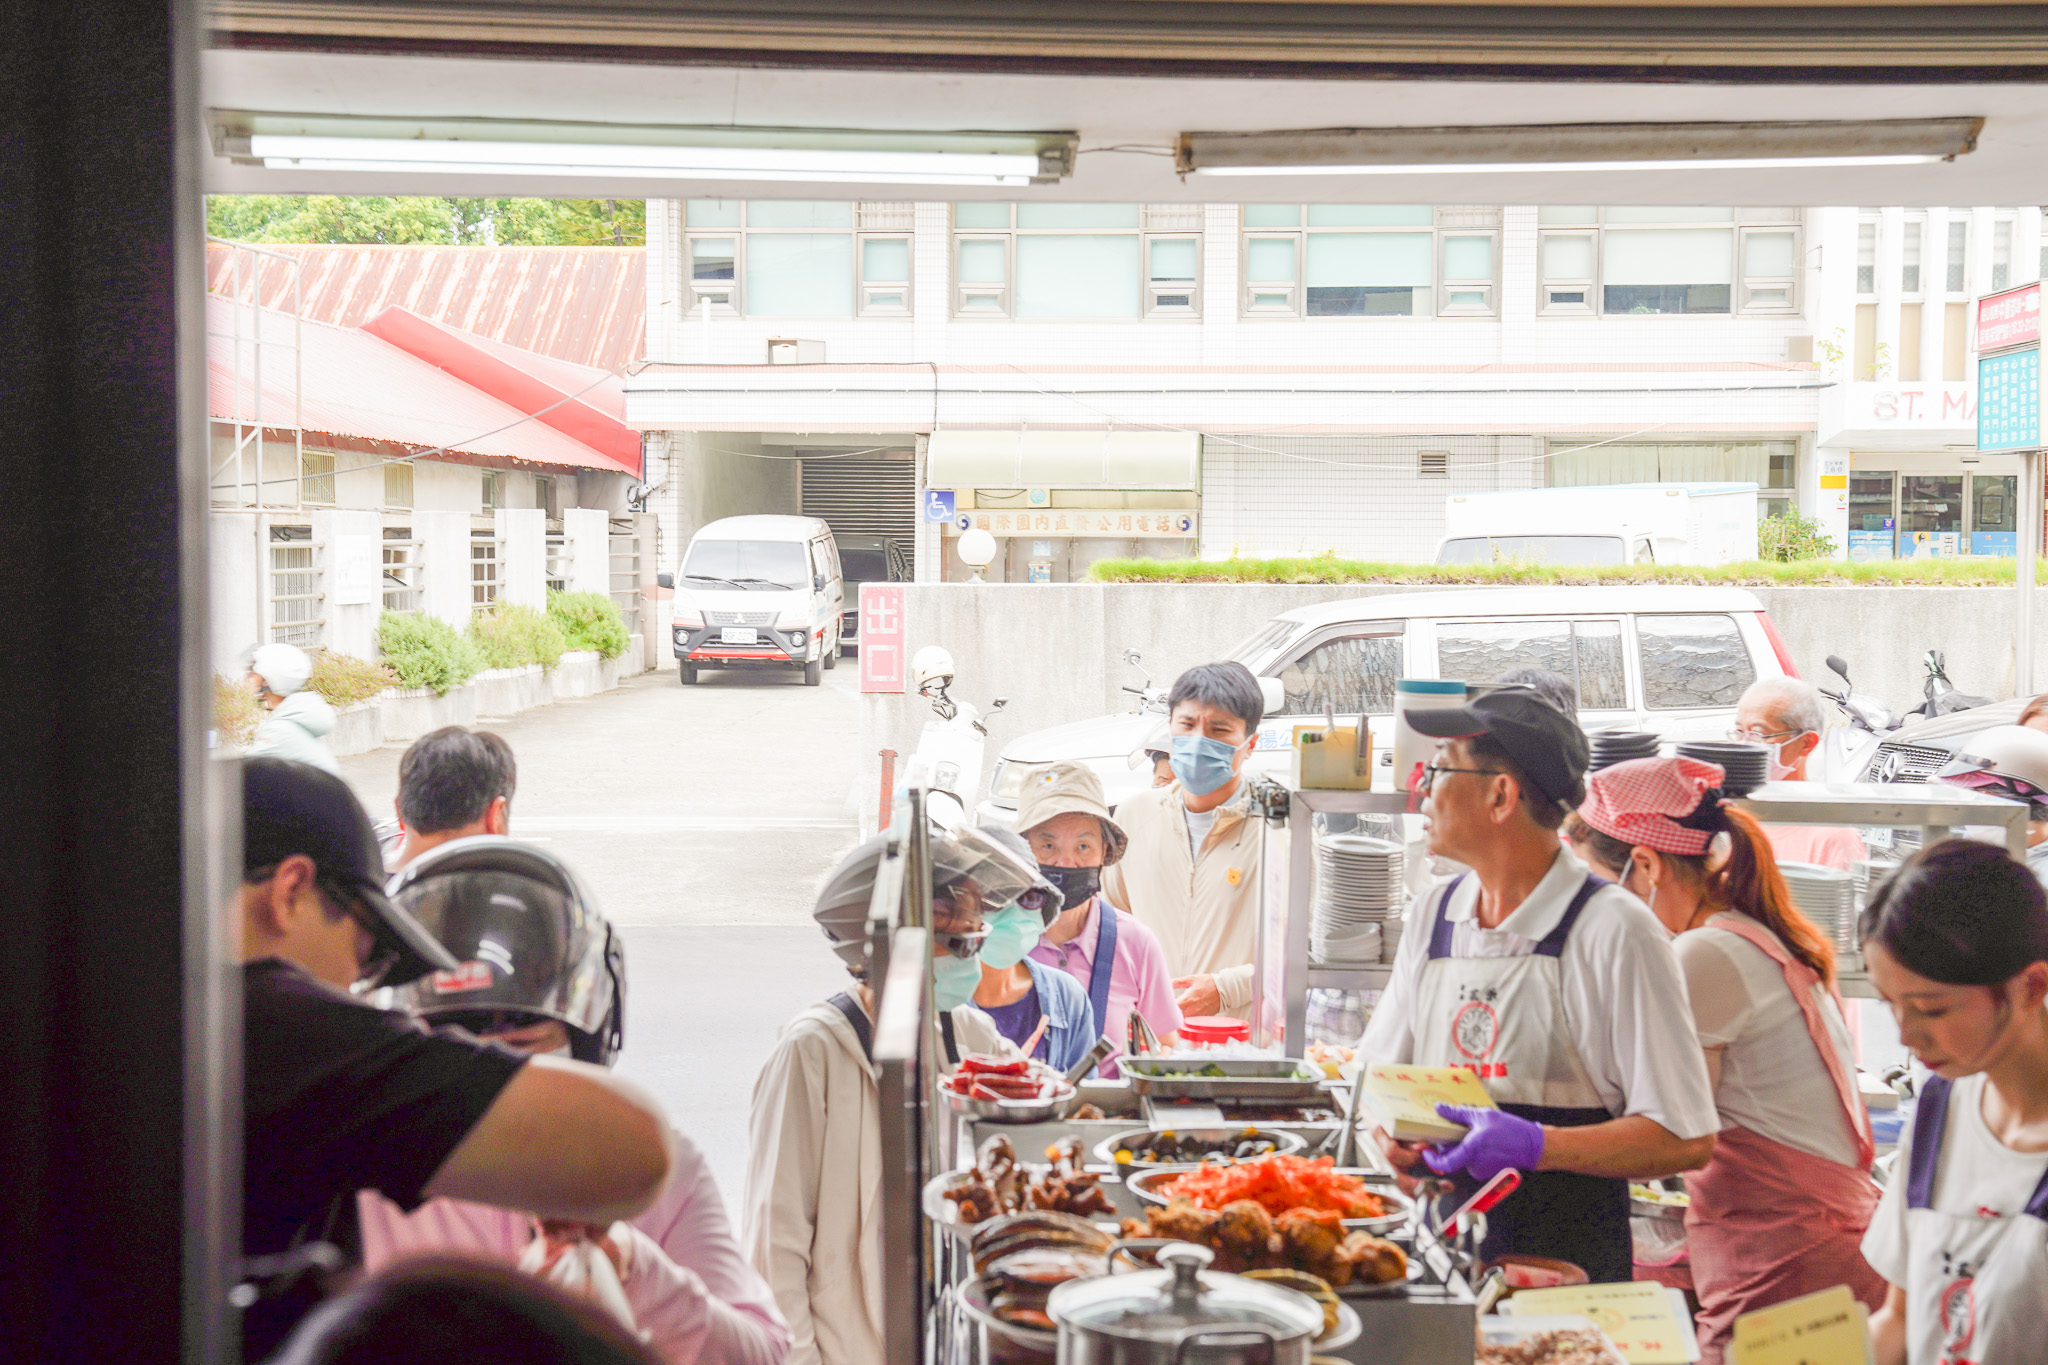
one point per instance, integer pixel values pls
(1139, 1038)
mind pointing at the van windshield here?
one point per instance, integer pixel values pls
(1533, 549)
(765, 564)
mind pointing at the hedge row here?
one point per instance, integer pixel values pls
(1753, 574)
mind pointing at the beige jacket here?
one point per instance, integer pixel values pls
(810, 1219)
(1203, 909)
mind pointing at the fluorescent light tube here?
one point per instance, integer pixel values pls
(499, 147)
(1571, 147)
(1556, 167)
(461, 157)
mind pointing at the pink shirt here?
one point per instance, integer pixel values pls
(1138, 979)
(1833, 846)
(707, 1306)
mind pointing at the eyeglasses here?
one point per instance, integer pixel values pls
(1759, 737)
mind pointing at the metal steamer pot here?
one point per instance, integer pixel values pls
(1182, 1316)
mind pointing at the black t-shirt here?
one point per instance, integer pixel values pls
(338, 1096)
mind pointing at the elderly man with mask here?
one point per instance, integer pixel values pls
(1559, 990)
(1786, 715)
(809, 1218)
(1117, 960)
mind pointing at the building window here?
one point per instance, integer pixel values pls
(2001, 254)
(545, 496)
(884, 276)
(1663, 260)
(489, 496)
(316, 477)
(398, 483)
(483, 570)
(1866, 258)
(1074, 261)
(771, 258)
(1909, 258)
(1958, 275)
(1368, 260)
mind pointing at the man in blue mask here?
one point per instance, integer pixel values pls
(1191, 872)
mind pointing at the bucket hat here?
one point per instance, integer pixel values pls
(1066, 788)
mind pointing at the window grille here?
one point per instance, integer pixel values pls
(483, 570)
(296, 597)
(404, 571)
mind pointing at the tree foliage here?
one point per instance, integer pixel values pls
(1790, 536)
(328, 218)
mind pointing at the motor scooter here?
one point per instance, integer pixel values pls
(1846, 749)
(1150, 698)
(1942, 698)
(949, 749)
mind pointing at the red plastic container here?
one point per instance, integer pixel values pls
(1215, 1028)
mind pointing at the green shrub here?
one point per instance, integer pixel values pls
(1327, 568)
(425, 651)
(1791, 537)
(236, 712)
(589, 620)
(344, 680)
(513, 636)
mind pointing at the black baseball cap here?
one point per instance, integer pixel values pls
(293, 808)
(1543, 741)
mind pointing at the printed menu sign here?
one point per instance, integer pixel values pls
(1638, 1317)
(1828, 1328)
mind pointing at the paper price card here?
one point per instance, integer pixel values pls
(1828, 1328)
(1637, 1316)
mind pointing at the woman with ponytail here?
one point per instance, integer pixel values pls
(1781, 1209)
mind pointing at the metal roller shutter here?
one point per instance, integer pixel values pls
(863, 497)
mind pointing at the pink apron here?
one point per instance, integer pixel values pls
(1769, 1222)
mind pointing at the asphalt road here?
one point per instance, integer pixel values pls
(703, 820)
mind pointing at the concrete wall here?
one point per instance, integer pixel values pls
(587, 533)
(522, 556)
(444, 540)
(351, 560)
(1054, 649)
(233, 560)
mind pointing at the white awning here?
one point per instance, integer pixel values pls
(1063, 459)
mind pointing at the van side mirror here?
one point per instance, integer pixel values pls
(666, 580)
(817, 582)
(1274, 694)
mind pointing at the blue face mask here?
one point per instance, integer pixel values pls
(954, 980)
(1202, 764)
(1012, 933)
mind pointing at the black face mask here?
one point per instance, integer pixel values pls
(1076, 884)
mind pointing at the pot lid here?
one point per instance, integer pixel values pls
(1163, 1305)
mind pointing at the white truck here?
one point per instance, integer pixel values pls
(1628, 523)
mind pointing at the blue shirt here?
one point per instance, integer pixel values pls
(1056, 996)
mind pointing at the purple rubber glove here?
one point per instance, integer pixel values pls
(1498, 1141)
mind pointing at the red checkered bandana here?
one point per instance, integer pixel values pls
(1642, 800)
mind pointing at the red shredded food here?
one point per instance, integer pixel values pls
(1280, 1183)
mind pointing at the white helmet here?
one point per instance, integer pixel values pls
(283, 668)
(932, 664)
(2006, 760)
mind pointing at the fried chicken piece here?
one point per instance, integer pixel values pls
(1244, 1236)
(1184, 1221)
(976, 1200)
(1313, 1241)
(1373, 1260)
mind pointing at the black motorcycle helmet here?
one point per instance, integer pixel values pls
(531, 941)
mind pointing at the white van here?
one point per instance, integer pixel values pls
(1673, 660)
(755, 591)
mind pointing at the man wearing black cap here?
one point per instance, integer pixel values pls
(339, 1096)
(1559, 990)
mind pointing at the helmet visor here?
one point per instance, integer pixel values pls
(523, 946)
(996, 874)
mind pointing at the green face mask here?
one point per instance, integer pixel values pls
(954, 980)
(1012, 933)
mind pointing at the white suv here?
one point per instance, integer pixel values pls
(1673, 660)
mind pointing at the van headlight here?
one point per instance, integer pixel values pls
(1006, 783)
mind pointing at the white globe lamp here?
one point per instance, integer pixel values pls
(977, 549)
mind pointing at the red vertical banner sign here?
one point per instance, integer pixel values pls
(882, 664)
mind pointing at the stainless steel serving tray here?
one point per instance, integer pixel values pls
(1244, 1078)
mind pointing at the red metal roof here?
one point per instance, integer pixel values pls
(359, 386)
(583, 304)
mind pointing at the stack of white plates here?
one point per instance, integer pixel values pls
(1359, 898)
(1826, 896)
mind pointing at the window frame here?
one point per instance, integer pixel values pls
(1570, 623)
(1438, 290)
(1739, 285)
(1148, 307)
(1742, 642)
(736, 306)
(864, 290)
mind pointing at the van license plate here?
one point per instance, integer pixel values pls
(738, 635)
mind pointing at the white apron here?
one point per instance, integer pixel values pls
(1976, 1288)
(1504, 1019)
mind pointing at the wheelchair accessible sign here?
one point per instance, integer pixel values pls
(938, 505)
